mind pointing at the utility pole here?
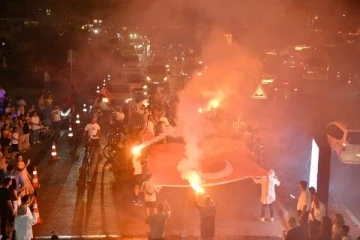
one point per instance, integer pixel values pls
(71, 65)
(70, 61)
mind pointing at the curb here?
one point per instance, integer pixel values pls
(283, 213)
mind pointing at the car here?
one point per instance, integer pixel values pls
(157, 74)
(127, 49)
(158, 78)
(285, 84)
(116, 94)
(131, 62)
(160, 59)
(137, 83)
(191, 68)
(344, 140)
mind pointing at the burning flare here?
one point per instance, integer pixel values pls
(214, 103)
(136, 151)
(195, 182)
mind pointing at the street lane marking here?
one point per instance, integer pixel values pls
(353, 217)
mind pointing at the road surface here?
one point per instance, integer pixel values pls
(107, 208)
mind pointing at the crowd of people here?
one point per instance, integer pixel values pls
(311, 222)
(22, 126)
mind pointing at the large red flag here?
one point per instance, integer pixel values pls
(223, 160)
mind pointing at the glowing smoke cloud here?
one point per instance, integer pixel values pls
(231, 71)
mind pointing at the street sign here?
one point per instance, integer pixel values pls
(259, 93)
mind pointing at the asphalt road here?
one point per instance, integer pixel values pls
(107, 209)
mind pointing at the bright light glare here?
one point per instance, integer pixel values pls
(165, 78)
(136, 150)
(96, 31)
(65, 114)
(314, 165)
(128, 100)
(105, 100)
(214, 103)
(195, 182)
(200, 110)
(148, 78)
(145, 87)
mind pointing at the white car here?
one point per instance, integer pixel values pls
(344, 140)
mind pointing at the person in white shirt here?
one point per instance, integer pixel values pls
(35, 124)
(268, 195)
(138, 178)
(119, 117)
(303, 204)
(23, 224)
(317, 212)
(56, 118)
(26, 201)
(92, 129)
(20, 106)
(149, 188)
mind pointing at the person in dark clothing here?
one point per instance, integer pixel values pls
(296, 232)
(207, 217)
(325, 230)
(7, 212)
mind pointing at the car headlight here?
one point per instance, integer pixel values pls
(165, 78)
(167, 65)
(145, 87)
(148, 78)
(105, 100)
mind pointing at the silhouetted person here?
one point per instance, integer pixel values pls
(207, 217)
(325, 229)
(296, 232)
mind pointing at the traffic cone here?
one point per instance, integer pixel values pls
(70, 133)
(84, 108)
(36, 211)
(35, 180)
(77, 121)
(54, 156)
